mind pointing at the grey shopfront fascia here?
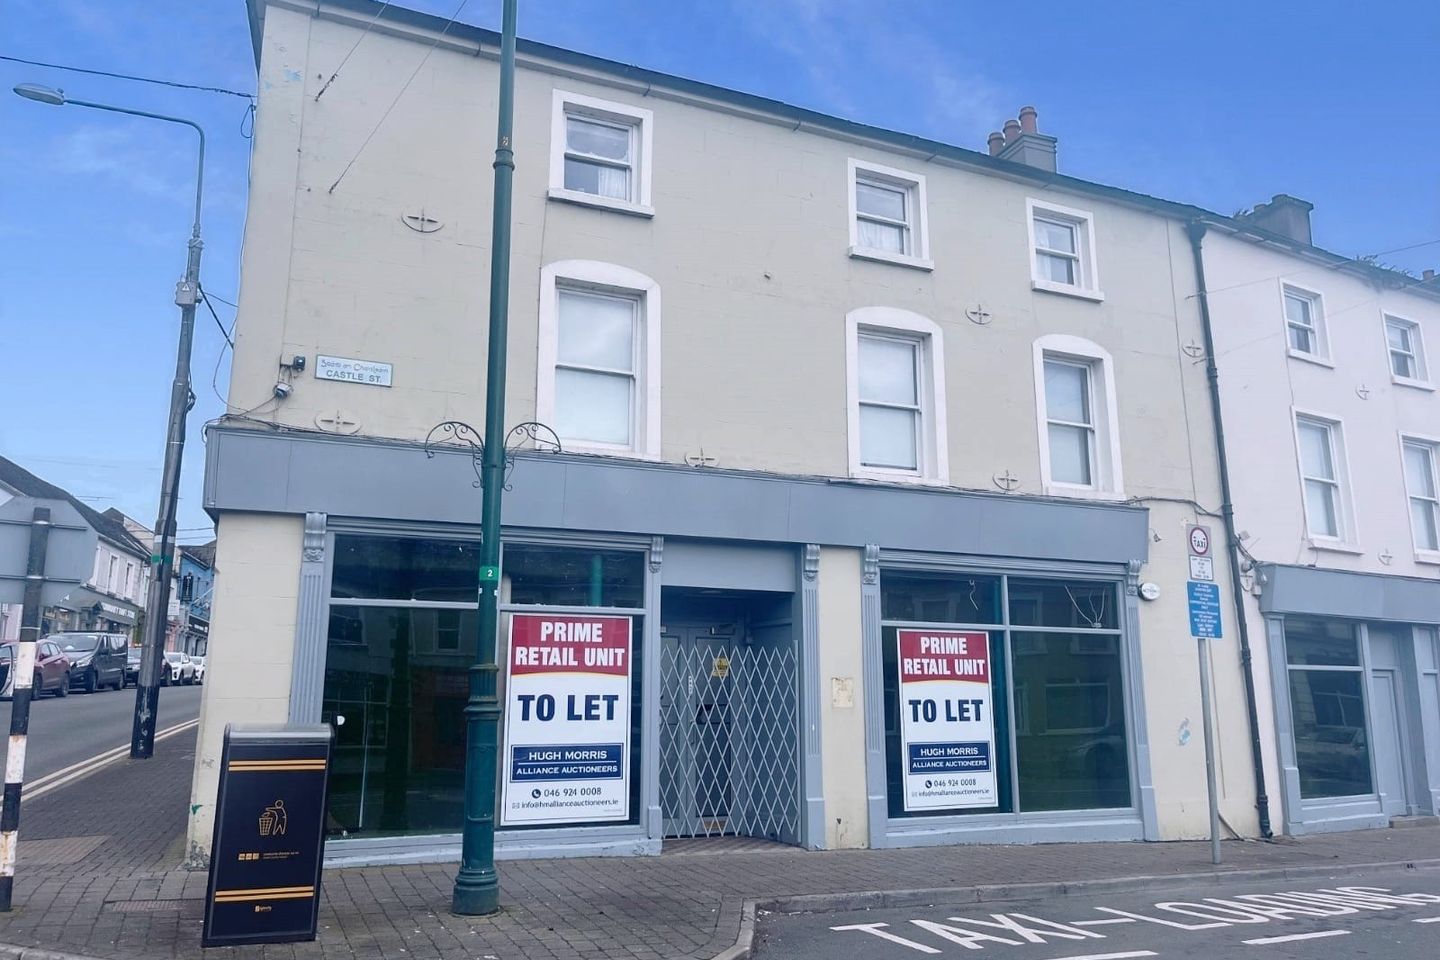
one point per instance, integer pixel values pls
(1360, 599)
(699, 527)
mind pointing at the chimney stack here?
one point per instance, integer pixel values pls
(1022, 142)
(1427, 275)
(1286, 215)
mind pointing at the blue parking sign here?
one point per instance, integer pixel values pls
(1204, 609)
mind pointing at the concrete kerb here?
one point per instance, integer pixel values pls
(995, 892)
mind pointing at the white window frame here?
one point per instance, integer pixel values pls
(1318, 325)
(1087, 267)
(1417, 351)
(1422, 554)
(605, 278)
(917, 219)
(1108, 476)
(641, 122)
(1345, 539)
(932, 451)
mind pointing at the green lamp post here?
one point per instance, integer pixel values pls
(477, 888)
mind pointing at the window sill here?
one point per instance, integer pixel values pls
(1312, 358)
(896, 476)
(602, 450)
(1336, 546)
(885, 256)
(1074, 492)
(1428, 557)
(602, 203)
(1413, 384)
(1067, 290)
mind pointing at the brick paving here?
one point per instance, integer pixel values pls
(128, 897)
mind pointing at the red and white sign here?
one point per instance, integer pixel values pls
(947, 727)
(567, 719)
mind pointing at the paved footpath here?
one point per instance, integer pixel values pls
(99, 876)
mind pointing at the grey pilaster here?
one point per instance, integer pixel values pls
(872, 675)
(813, 835)
(1139, 728)
(1427, 663)
(307, 676)
(652, 819)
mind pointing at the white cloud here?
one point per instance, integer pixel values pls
(119, 154)
(879, 69)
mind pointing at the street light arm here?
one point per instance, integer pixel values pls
(199, 132)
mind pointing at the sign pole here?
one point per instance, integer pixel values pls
(1210, 789)
(22, 690)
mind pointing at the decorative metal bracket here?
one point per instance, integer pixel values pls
(979, 315)
(457, 432)
(1006, 481)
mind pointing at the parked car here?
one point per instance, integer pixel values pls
(199, 668)
(179, 669)
(132, 666)
(52, 670)
(97, 660)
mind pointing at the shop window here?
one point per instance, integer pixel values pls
(396, 699)
(574, 577)
(1327, 706)
(943, 598)
(1073, 754)
(1057, 684)
(406, 568)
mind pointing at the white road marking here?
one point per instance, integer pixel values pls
(54, 781)
(1113, 956)
(1428, 920)
(1262, 941)
(1101, 923)
(874, 929)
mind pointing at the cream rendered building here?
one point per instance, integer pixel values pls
(816, 384)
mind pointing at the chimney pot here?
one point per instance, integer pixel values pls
(1012, 130)
(997, 142)
(1027, 120)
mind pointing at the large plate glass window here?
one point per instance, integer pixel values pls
(1060, 700)
(1327, 708)
(402, 633)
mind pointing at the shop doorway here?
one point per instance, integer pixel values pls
(729, 715)
(1390, 720)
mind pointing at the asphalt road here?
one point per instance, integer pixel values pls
(64, 731)
(1314, 918)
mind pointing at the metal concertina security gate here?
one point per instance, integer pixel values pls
(729, 744)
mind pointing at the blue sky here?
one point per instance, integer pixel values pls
(1220, 104)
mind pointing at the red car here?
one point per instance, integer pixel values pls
(52, 670)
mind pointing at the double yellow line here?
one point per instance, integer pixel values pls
(264, 893)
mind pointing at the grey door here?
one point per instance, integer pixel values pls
(1390, 678)
(1385, 715)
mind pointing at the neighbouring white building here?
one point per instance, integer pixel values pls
(820, 390)
(1332, 428)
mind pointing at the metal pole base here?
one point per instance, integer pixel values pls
(477, 894)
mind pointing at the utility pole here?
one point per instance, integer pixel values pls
(477, 888)
(22, 687)
(162, 553)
